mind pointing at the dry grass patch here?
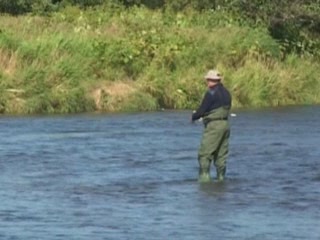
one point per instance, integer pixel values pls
(8, 62)
(109, 96)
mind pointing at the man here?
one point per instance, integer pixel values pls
(214, 110)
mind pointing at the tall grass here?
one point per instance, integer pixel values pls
(137, 59)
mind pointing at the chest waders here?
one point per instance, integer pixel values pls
(215, 144)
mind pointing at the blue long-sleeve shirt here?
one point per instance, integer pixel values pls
(215, 97)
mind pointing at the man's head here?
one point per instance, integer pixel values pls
(213, 77)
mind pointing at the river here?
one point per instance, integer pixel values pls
(133, 176)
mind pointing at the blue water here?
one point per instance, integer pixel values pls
(133, 176)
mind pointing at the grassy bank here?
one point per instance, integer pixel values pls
(137, 60)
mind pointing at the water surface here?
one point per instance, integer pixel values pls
(133, 176)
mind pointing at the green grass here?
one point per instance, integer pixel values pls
(139, 60)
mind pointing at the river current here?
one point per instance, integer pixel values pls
(134, 176)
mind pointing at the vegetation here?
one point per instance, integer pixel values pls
(85, 55)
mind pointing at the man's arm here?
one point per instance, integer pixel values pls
(205, 105)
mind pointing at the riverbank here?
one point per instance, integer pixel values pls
(138, 60)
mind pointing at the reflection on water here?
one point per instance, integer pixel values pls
(133, 176)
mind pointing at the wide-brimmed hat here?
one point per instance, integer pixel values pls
(213, 75)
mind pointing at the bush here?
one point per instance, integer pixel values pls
(15, 6)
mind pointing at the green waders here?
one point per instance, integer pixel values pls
(214, 145)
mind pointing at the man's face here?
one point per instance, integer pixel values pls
(211, 83)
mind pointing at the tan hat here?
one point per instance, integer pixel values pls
(213, 75)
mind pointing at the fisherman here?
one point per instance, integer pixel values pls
(214, 111)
